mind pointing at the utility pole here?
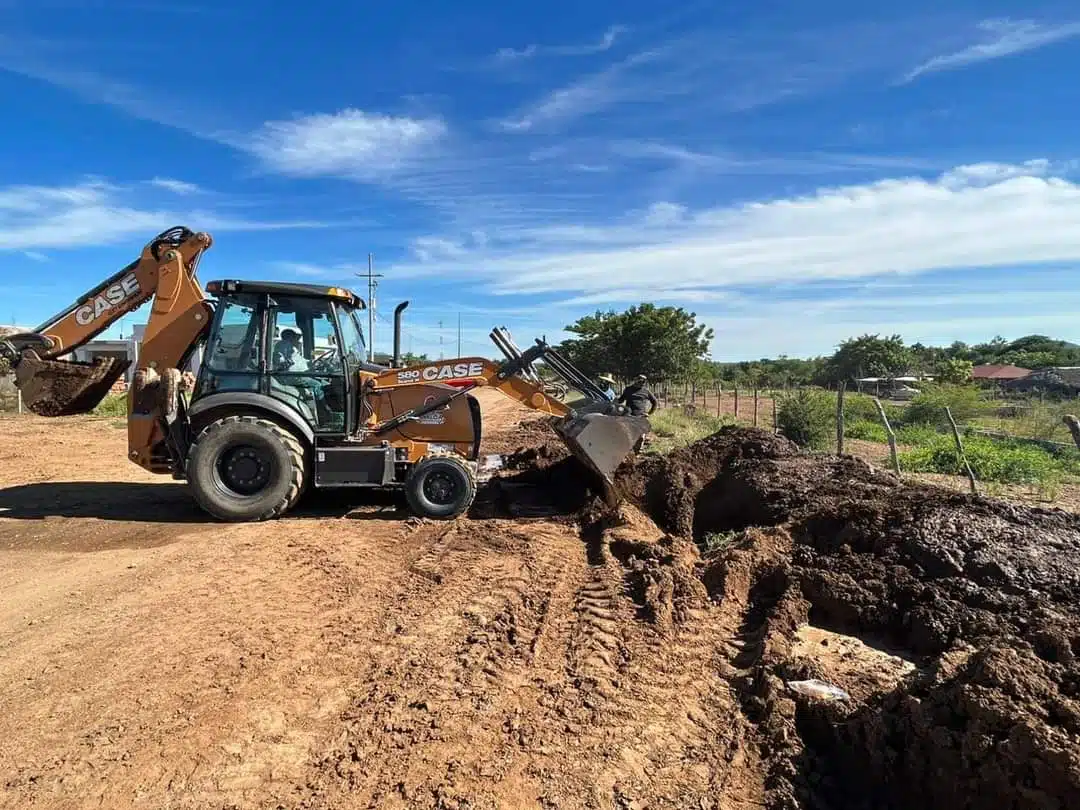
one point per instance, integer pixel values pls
(371, 285)
(440, 341)
(459, 334)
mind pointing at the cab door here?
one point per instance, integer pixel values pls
(305, 369)
(353, 353)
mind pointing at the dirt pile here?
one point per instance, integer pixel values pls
(524, 435)
(594, 659)
(981, 596)
(59, 388)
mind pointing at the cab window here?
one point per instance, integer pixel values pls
(352, 338)
(305, 361)
(233, 353)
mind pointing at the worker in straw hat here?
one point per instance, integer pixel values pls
(606, 383)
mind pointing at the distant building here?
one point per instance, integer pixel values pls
(1070, 374)
(1058, 382)
(999, 373)
(127, 348)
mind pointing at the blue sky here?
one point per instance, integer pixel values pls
(794, 173)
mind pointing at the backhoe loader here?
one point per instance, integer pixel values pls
(284, 400)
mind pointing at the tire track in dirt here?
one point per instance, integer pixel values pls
(439, 724)
(652, 714)
(340, 578)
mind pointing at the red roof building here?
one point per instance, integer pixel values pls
(999, 373)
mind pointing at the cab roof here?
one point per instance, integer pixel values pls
(340, 294)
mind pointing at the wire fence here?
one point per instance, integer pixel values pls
(745, 406)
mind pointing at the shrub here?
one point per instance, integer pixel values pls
(859, 408)
(865, 430)
(928, 407)
(917, 435)
(807, 417)
(112, 405)
(1044, 421)
(991, 460)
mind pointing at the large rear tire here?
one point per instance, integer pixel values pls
(440, 487)
(244, 468)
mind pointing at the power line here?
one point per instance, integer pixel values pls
(459, 334)
(371, 285)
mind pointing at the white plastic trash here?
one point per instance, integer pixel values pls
(818, 689)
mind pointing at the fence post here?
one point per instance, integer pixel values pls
(960, 450)
(719, 400)
(840, 418)
(775, 420)
(890, 434)
(736, 404)
(1073, 424)
(755, 406)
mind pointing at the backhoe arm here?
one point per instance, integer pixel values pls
(165, 272)
(466, 373)
(593, 430)
(160, 271)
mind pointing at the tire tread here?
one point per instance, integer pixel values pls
(292, 445)
(473, 487)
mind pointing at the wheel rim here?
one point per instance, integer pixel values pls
(440, 488)
(244, 470)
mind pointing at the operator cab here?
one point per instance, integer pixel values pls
(300, 344)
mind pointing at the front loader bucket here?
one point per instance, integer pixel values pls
(602, 443)
(65, 387)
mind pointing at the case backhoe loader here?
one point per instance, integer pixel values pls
(284, 399)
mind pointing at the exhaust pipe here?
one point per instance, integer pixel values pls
(396, 361)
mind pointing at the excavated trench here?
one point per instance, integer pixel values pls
(952, 622)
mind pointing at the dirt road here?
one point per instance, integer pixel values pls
(339, 658)
(350, 657)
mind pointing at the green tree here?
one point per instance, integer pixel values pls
(5, 365)
(869, 356)
(1030, 351)
(807, 417)
(663, 343)
(955, 371)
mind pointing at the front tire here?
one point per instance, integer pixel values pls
(244, 468)
(441, 488)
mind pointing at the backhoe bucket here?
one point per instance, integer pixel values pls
(64, 387)
(602, 443)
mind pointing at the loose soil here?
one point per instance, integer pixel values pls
(349, 656)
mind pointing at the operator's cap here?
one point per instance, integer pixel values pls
(642, 378)
(606, 378)
(287, 332)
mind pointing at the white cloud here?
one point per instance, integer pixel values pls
(92, 213)
(636, 296)
(997, 39)
(792, 163)
(175, 186)
(505, 55)
(969, 217)
(592, 94)
(346, 143)
(749, 328)
(702, 72)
